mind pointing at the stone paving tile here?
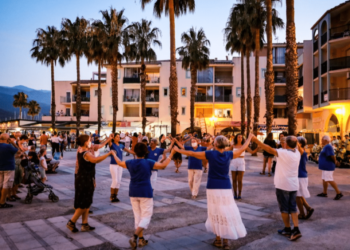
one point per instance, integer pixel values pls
(29, 244)
(3, 244)
(253, 212)
(122, 205)
(13, 225)
(249, 206)
(253, 217)
(65, 246)
(16, 231)
(91, 241)
(121, 240)
(159, 204)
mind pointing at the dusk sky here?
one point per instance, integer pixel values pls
(19, 20)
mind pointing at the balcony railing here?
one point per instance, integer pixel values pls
(324, 97)
(131, 98)
(301, 81)
(300, 105)
(219, 79)
(152, 99)
(339, 32)
(83, 98)
(205, 79)
(224, 98)
(280, 98)
(315, 72)
(339, 63)
(324, 68)
(324, 38)
(339, 94)
(204, 98)
(280, 79)
(131, 80)
(153, 80)
(65, 99)
(315, 45)
(315, 99)
(279, 60)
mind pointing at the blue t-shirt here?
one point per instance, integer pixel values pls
(154, 154)
(302, 166)
(324, 162)
(119, 150)
(96, 139)
(219, 168)
(7, 157)
(193, 162)
(140, 177)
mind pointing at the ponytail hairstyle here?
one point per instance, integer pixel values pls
(82, 139)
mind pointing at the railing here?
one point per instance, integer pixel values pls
(280, 98)
(204, 98)
(339, 32)
(152, 114)
(219, 79)
(83, 98)
(153, 80)
(339, 94)
(131, 98)
(324, 97)
(280, 79)
(300, 105)
(126, 114)
(205, 79)
(152, 99)
(324, 67)
(65, 99)
(224, 98)
(339, 63)
(279, 60)
(315, 72)
(131, 80)
(324, 38)
(301, 81)
(83, 113)
(315, 45)
(315, 99)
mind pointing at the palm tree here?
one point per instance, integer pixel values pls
(33, 109)
(144, 37)
(48, 50)
(291, 69)
(172, 8)
(75, 34)
(195, 56)
(20, 101)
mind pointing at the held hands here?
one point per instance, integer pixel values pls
(175, 149)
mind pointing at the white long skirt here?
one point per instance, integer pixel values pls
(224, 219)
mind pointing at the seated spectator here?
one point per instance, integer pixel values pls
(52, 164)
(33, 156)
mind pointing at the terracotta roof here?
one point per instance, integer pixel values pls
(328, 11)
(88, 81)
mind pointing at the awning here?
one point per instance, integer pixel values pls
(228, 124)
(274, 127)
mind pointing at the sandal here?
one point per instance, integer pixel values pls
(10, 199)
(269, 175)
(71, 226)
(86, 228)
(226, 246)
(309, 213)
(217, 243)
(262, 173)
(301, 217)
(142, 242)
(5, 205)
(114, 198)
(322, 195)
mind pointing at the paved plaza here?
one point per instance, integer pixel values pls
(178, 221)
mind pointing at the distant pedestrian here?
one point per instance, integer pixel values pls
(267, 156)
(43, 139)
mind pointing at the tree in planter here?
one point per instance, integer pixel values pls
(195, 56)
(20, 101)
(172, 8)
(33, 109)
(143, 37)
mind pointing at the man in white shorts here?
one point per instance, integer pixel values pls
(326, 163)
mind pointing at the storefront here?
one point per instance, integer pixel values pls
(276, 130)
(227, 127)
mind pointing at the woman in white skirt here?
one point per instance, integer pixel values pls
(224, 219)
(303, 191)
(237, 165)
(140, 189)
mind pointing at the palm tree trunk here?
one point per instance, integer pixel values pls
(143, 95)
(291, 70)
(249, 95)
(114, 94)
(242, 95)
(78, 101)
(173, 76)
(256, 87)
(20, 112)
(193, 94)
(99, 98)
(269, 75)
(53, 102)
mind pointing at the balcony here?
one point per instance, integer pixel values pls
(301, 81)
(83, 98)
(131, 98)
(280, 99)
(315, 72)
(339, 32)
(315, 46)
(339, 63)
(221, 79)
(279, 78)
(315, 99)
(279, 60)
(204, 98)
(339, 94)
(131, 80)
(324, 68)
(223, 98)
(300, 105)
(324, 97)
(153, 80)
(324, 38)
(65, 99)
(152, 98)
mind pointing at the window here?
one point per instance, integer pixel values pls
(238, 92)
(67, 111)
(183, 111)
(96, 92)
(205, 76)
(223, 94)
(165, 91)
(279, 55)
(188, 74)
(183, 92)
(102, 110)
(263, 71)
(111, 110)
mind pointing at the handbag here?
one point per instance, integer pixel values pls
(57, 156)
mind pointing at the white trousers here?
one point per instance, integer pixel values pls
(194, 180)
(154, 177)
(116, 172)
(127, 145)
(143, 211)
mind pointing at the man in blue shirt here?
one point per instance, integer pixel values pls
(96, 137)
(7, 167)
(327, 163)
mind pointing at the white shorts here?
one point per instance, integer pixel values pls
(303, 188)
(237, 164)
(327, 175)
